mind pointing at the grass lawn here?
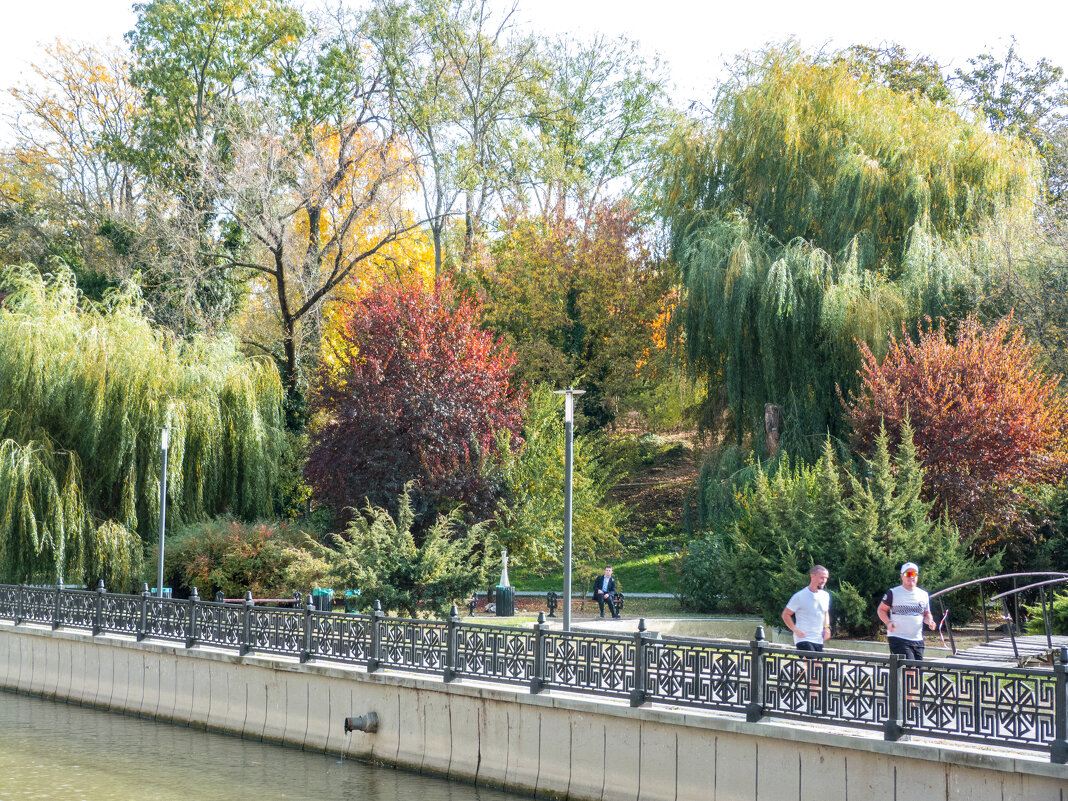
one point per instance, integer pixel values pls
(527, 609)
(653, 572)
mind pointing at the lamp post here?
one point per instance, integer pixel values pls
(569, 424)
(164, 444)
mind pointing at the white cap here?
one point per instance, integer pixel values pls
(909, 566)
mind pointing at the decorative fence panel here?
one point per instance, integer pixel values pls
(694, 672)
(829, 688)
(1013, 707)
(496, 652)
(1023, 708)
(342, 638)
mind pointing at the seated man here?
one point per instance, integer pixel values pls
(603, 587)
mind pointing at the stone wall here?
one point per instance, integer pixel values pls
(552, 745)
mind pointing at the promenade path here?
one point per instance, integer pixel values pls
(1028, 647)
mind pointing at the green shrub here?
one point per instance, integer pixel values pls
(803, 515)
(268, 559)
(701, 587)
(1058, 616)
(379, 556)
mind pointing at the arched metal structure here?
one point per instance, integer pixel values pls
(1012, 619)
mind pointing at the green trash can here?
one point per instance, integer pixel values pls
(505, 598)
(323, 599)
(351, 604)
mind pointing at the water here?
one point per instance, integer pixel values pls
(51, 750)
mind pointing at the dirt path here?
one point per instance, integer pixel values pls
(655, 494)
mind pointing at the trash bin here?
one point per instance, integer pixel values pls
(505, 598)
(351, 604)
(323, 599)
(166, 592)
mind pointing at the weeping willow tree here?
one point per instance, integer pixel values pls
(816, 209)
(84, 393)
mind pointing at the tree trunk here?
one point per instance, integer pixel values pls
(772, 427)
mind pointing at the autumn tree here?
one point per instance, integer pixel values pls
(62, 189)
(314, 208)
(817, 207)
(415, 390)
(454, 71)
(1022, 99)
(988, 423)
(581, 301)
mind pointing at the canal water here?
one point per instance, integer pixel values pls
(51, 750)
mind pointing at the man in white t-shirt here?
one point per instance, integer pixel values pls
(808, 612)
(903, 611)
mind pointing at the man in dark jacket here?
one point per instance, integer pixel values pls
(603, 589)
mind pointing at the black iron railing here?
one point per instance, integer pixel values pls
(1005, 706)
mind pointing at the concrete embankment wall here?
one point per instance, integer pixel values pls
(550, 745)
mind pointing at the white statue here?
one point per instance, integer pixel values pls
(504, 569)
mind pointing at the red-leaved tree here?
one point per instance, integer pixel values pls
(414, 391)
(988, 423)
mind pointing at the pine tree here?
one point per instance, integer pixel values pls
(803, 516)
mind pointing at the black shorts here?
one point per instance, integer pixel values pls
(910, 649)
(804, 645)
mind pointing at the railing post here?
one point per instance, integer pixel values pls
(637, 693)
(98, 610)
(374, 662)
(57, 611)
(246, 625)
(537, 681)
(19, 604)
(1045, 618)
(892, 729)
(754, 711)
(142, 623)
(1058, 749)
(191, 634)
(982, 605)
(452, 643)
(305, 651)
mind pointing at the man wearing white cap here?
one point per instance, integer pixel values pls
(903, 611)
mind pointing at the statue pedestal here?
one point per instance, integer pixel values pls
(505, 599)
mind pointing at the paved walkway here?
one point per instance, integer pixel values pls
(1029, 646)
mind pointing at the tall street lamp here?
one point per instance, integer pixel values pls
(569, 424)
(164, 444)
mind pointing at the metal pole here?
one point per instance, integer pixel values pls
(569, 418)
(568, 456)
(164, 443)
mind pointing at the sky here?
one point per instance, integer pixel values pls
(695, 37)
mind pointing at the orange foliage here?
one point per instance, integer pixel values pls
(988, 423)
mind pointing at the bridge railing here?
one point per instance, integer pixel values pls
(1024, 708)
(1007, 602)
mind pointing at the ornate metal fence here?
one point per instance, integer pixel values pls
(1017, 707)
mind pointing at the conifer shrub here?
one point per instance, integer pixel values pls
(861, 529)
(378, 555)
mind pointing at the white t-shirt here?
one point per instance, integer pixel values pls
(906, 612)
(810, 613)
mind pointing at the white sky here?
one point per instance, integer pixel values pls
(693, 36)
